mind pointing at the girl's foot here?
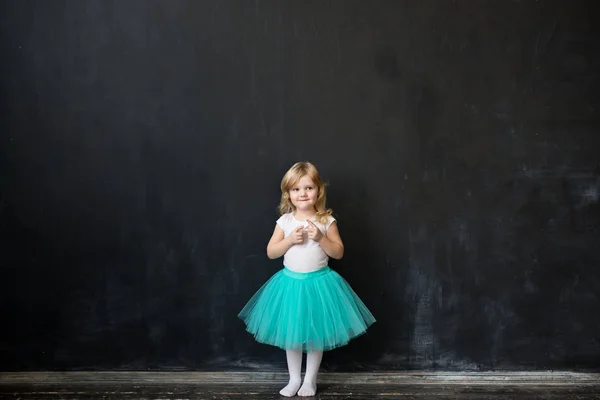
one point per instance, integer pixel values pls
(291, 389)
(308, 389)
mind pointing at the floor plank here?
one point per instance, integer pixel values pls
(265, 385)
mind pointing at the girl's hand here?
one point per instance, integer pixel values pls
(297, 236)
(314, 232)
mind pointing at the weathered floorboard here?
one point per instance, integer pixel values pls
(265, 385)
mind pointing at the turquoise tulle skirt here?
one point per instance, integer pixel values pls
(312, 311)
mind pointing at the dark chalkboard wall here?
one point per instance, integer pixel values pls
(142, 144)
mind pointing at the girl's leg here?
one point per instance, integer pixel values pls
(294, 362)
(313, 361)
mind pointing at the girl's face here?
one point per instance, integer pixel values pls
(303, 194)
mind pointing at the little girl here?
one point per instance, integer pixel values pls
(306, 306)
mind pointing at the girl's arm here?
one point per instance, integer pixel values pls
(278, 244)
(332, 243)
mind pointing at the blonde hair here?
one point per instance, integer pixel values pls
(291, 177)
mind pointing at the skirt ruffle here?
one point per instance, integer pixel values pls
(314, 311)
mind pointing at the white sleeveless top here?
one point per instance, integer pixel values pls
(307, 256)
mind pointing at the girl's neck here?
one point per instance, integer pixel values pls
(302, 215)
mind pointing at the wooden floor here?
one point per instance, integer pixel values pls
(266, 385)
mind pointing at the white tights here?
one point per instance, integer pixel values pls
(294, 362)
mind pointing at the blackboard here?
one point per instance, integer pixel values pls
(142, 144)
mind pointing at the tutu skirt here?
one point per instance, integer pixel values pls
(313, 311)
